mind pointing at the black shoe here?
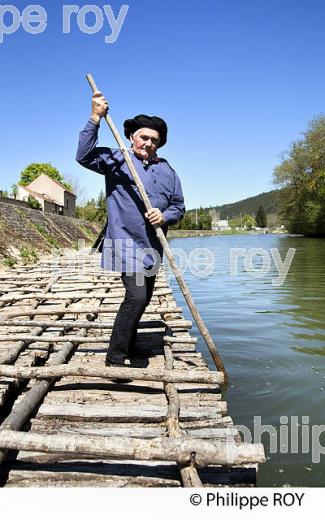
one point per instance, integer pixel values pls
(109, 363)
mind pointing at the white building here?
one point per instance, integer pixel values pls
(53, 196)
(221, 225)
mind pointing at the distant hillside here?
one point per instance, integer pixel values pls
(268, 200)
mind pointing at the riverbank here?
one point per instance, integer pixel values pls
(184, 233)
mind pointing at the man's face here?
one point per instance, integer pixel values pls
(145, 143)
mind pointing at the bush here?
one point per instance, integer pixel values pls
(28, 255)
(10, 261)
(34, 204)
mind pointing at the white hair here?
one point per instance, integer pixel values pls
(140, 130)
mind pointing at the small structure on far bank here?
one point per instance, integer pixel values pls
(220, 225)
(53, 196)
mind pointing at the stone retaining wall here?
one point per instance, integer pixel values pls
(25, 227)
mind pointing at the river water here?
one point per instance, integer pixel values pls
(271, 339)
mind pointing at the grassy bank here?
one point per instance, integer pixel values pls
(183, 233)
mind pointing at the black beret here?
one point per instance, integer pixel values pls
(142, 121)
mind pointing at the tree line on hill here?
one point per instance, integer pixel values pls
(206, 218)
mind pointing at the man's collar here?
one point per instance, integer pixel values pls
(153, 160)
(146, 162)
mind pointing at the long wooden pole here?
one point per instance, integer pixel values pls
(162, 239)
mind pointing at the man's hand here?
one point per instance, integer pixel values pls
(155, 217)
(99, 106)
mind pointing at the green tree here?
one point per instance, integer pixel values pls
(301, 175)
(88, 211)
(235, 222)
(248, 221)
(14, 190)
(101, 208)
(34, 170)
(260, 218)
(204, 219)
(187, 222)
(93, 210)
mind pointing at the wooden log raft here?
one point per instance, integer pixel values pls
(87, 407)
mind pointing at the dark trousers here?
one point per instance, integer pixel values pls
(124, 333)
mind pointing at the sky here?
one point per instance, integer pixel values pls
(237, 81)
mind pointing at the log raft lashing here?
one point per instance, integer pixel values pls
(71, 421)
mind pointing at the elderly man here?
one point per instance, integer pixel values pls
(131, 245)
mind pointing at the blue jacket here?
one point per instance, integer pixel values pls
(131, 244)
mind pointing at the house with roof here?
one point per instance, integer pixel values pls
(53, 196)
(220, 225)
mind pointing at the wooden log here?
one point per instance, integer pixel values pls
(189, 474)
(217, 429)
(19, 291)
(65, 275)
(172, 417)
(113, 287)
(181, 450)
(53, 339)
(76, 296)
(85, 476)
(101, 392)
(174, 376)
(78, 339)
(80, 310)
(141, 431)
(125, 413)
(165, 300)
(91, 325)
(178, 339)
(19, 283)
